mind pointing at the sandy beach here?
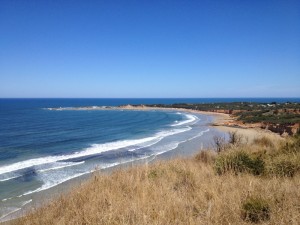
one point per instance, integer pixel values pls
(223, 122)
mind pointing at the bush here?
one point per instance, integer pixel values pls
(255, 210)
(238, 162)
(257, 166)
(283, 167)
(286, 161)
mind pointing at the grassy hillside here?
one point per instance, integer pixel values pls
(257, 182)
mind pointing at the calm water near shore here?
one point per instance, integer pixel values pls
(41, 149)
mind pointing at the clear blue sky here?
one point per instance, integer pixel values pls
(164, 48)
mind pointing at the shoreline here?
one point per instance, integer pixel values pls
(45, 196)
(219, 122)
(222, 121)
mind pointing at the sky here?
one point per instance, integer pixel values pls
(149, 49)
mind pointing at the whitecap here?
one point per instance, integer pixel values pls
(93, 150)
(52, 181)
(190, 119)
(60, 166)
(11, 210)
(198, 135)
(9, 178)
(168, 147)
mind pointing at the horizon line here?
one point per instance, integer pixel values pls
(139, 97)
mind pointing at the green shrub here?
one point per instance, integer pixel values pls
(255, 209)
(238, 162)
(284, 167)
(257, 166)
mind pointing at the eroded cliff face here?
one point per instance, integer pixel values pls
(226, 111)
(282, 129)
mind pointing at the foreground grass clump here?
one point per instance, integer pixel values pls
(238, 161)
(255, 209)
(286, 161)
(262, 157)
(284, 166)
(184, 191)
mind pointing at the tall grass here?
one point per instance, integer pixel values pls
(239, 161)
(184, 191)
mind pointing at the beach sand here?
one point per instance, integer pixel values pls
(223, 122)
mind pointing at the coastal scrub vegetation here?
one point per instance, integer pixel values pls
(245, 183)
(277, 117)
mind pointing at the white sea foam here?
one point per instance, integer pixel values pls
(58, 165)
(9, 178)
(168, 147)
(171, 146)
(11, 210)
(26, 202)
(198, 135)
(93, 150)
(190, 118)
(162, 135)
(146, 145)
(61, 165)
(52, 181)
(124, 162)
(57, 162)
(81, 108)
(6, 199)
(173, 132)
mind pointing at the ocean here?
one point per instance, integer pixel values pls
(41, 149)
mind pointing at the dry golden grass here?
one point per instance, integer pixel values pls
(181, 191)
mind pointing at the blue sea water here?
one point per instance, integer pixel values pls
(41, 148)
